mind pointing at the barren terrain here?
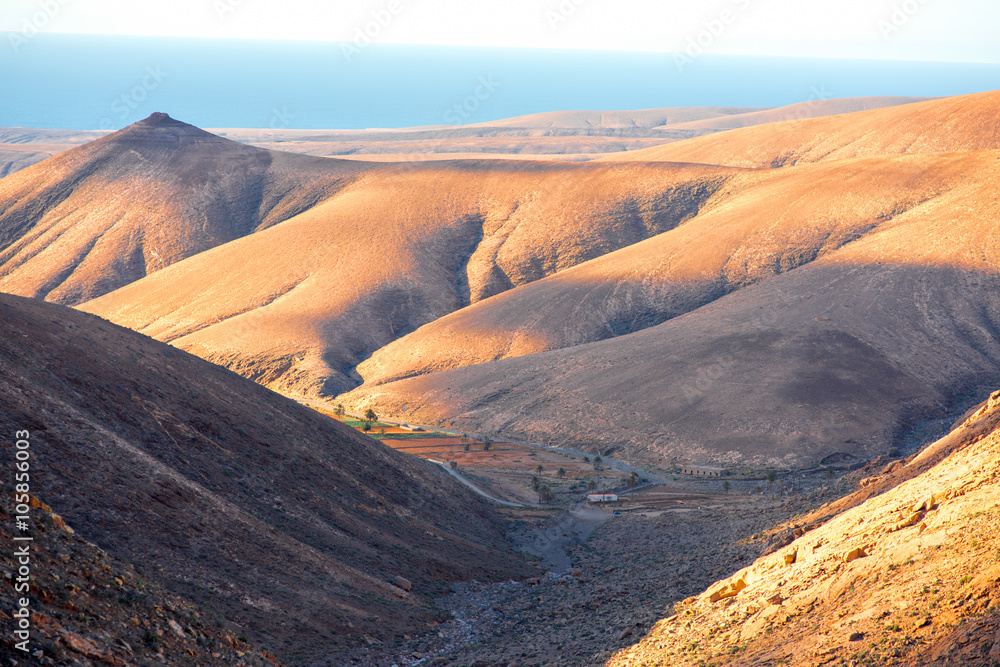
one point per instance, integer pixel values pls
(287, 524)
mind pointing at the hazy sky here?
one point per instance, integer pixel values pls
(952, 30)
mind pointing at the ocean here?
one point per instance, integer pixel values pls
(107, 82)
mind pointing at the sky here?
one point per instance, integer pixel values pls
(916, 30)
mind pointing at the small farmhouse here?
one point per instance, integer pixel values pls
(602, 498)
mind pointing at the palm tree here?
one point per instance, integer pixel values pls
(633, 480)
(591, 485)
(597, 463)
(539, 469)
(771, 477)
(545, 494)
(535, 483)
(487, 444)
(370, 416)
(339, 411)
(561, 473)
(725, 487)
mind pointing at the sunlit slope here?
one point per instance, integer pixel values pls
(102, 215)
(297, 306)
(838, 355)
(759, 225)
(910, 577)
(965, 123)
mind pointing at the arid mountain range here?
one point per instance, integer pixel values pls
(628, 304)
(312, 276)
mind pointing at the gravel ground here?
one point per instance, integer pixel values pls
(623, 578)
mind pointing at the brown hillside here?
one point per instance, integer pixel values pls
(280, 520)
(104, 214)
(889, 316)
(297, 306)
(760, 224)
(966, 123)
(909, 577)
(74, 582)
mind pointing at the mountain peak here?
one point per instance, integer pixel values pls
(159, 119)
(160, 128)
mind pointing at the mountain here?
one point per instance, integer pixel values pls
(299, 305)
(909, 576)
(952, 124)
(284, 522)
(825, 309)
(102, 215)
(756, 226)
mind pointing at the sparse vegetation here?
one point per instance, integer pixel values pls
(369, 418)
(545, 494)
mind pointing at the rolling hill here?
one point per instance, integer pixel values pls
(102, 215)
(299, 305)
(952, 124)
(757, 226)
(812, 109)
(284, 522)
(863, 307)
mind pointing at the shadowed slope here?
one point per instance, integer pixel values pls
(840, 354)
(758, 225)
(102, 215)
(280, 520)
(297, 306)
(966, 123)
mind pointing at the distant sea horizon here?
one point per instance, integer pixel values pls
(86, 82)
